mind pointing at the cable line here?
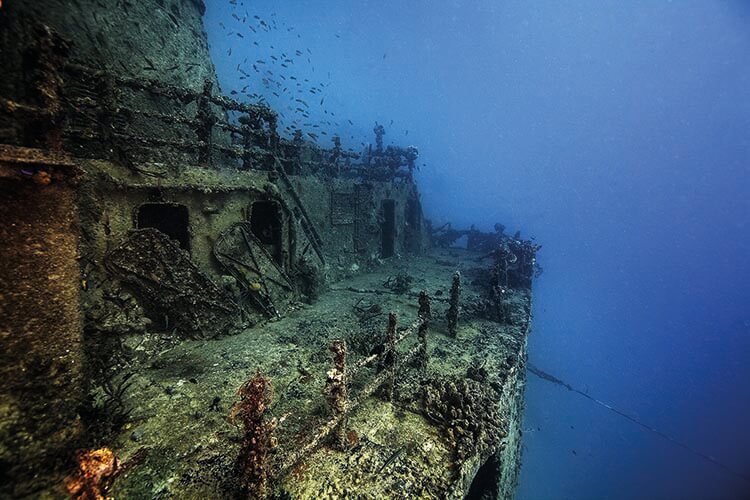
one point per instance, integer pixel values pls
(551, 378)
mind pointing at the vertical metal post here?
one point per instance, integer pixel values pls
(424, 316)
(390, 354)
(206, 121)
(452, 314)
(337, 392)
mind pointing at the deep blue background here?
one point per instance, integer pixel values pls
(616, 133)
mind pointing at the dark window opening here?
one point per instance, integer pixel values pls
(265, 223)
(388, 229)
(486, 482)
(169, 218)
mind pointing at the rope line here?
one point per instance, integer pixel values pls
(551, 378)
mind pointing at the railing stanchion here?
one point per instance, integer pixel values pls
(389, 359)
(336, 391)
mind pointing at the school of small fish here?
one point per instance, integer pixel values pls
(270, 80)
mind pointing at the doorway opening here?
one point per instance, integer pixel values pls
(413, 214)
(171, 219)
(388, 229)
(266, 225)
(413, 217)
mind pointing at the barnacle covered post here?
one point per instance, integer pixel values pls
(504, 260)
(389, 355)
(452, 314)
(424, 317)
(252, 466)
(336, 390)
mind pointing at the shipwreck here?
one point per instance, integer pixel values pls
(193, 305)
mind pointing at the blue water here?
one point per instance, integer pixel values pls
(616, 133)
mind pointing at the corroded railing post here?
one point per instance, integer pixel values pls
(390, 355)
(452, 314)
(206, 121)
(252, 466)
(424, 317)
(336, 391)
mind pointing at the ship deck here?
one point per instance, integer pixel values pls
(179, 441)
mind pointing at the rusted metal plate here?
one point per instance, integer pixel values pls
(342, 208)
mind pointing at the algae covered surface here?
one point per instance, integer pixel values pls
(180, 397)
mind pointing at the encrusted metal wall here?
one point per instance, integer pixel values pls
(41, 341)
